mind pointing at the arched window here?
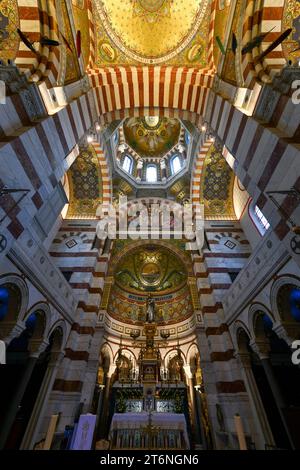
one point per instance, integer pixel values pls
(151, 173)
(116, 137)
(175, 164)
(288, 301)
(4, 299)
(187, 137)
(258, 218)
(127, 164)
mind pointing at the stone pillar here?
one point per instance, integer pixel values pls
(105, 406)
(11, 330)
(90, 378)
(163, 170)
(139, 169)
(99, 408)
(195, 411)
(262, 349)
(35, 348)
(198, 399)
(41, 403)
(264, 434)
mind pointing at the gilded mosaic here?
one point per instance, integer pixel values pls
(152, 32)
(132, 308)
(151, 136)
(81, 20)
(217, 185)
(229, 67)
(150, 269)
(72, 67)
(220, 25)
(85, 185)
(291, 19)
(9, 22)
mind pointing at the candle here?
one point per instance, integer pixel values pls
(240, 432)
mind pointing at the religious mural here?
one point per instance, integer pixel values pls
(81, 20)
(221, 24)
(72, 67)
(132, 308)
(151, 269)
(151, 136)
(9, 22)
(229, 67)
(156, 32)
(291, 19)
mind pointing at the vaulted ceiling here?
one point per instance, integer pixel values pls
(152, 32)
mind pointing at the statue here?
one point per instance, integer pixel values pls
(150, 310)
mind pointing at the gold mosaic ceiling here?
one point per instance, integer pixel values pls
(151, 136)
(151, 269)
(152, 31)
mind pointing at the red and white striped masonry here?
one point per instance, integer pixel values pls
(38, 18)
(261, 17)
(106, 180)
(197, 174)
(129, 87)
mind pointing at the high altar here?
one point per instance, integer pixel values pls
(149, 413)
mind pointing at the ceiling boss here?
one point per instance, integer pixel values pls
(151, 10)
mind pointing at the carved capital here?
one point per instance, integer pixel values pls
(37, 346)
(261, 347)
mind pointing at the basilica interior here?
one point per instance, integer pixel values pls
(157, 112)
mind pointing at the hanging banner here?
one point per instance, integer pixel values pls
(83, 433)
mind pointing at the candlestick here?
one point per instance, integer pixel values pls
(240, 432)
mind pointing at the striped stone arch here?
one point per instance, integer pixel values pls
(134, 91)
(39, 18)
(261, 17)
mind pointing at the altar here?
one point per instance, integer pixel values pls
(149, 431)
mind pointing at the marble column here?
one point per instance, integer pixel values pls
(199, 413)
(102, 432)
(41, 403)
(264, 434)
(35, 348)
(99, 408)
(196, 420)
(262, 349)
